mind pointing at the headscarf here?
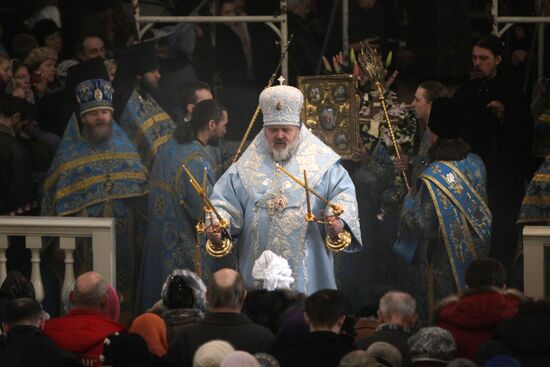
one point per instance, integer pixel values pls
(239, 358)
(152, 328)
(272, 272)
(17, 286)
(190, 279)
(112, 307)
(212, 354)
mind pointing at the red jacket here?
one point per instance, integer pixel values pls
(472, 316)
(82, 332)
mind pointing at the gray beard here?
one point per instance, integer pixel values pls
(286, 153)
(98, 135)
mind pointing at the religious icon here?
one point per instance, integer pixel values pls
(314, 95)
(328, 118)
(341, 141)
(331, 111)
(339, 93)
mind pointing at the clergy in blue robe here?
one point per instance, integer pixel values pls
(447, 223)
(266, 209)
(137, 112)
(97, 172)
(174, 205)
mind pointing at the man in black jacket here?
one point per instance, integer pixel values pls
(25, 344)
(224, 296)
(324, 346)
(497, 123)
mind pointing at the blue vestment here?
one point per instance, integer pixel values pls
(98, 180)
(174, 209)
(266, 209)
(147, 125)
(535, 208)
(445, 226)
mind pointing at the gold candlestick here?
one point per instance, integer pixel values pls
(310, 217)
(337, 210)
(224, 248)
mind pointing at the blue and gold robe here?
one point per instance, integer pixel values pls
(266, 209)
(147, 125)
(174, 209)
(444, 227)
(101, 180)
(535, 208)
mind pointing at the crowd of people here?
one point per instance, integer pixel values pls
(281, 254)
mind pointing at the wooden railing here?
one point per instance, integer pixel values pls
(33, 229)
(536, 239)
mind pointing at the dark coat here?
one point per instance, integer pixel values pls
(28, 346)
(504, 146)
(235, 328)
(16, 180)
(396, 335)
(318, 348)
(525, 337)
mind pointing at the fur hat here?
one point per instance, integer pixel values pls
(38, 55)
(432, 344)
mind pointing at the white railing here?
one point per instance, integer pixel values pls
(101, 230)
(536, 239)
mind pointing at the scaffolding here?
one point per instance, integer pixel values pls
(269, 20)
(510, 21)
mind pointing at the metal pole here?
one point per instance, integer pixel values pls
(522, 19)
(284, 40)
(541, 51)
(213, 19)
(345, 29)
(135, 8)
(494, 12)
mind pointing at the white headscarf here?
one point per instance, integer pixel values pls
(272, 272)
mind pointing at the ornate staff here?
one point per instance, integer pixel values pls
(225, 247)
(255, 116)
(371, 63)
(337, 210)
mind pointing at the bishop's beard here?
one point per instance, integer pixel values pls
(284, 154)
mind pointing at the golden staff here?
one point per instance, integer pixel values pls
(255, 116)
(337, 210)
(310, 217)
(225, 247)
(372, 66)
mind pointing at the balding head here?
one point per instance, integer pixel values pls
(90, 291)
(225, 291)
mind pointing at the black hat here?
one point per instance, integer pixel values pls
(141, 56)
(126, 349)
(43, 29)
(441, 121)
(87, 70)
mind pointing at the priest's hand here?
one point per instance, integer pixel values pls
(214, 234)
(335, 226)
(401, 164)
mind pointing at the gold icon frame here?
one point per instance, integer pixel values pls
(331, 111)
